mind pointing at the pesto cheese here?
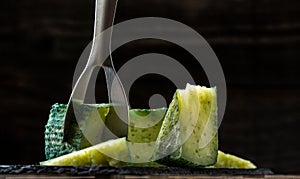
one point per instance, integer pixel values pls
(188, 136)
(232, 161)
(143, 129)
(144, 124)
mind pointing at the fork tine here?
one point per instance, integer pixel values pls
(76, 99)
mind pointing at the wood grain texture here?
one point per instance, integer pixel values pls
(256, 41)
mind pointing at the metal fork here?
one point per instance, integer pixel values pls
(104, 18)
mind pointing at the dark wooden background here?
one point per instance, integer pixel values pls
(257, 42)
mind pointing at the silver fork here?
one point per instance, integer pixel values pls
(104, 18)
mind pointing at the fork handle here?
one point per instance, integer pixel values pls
(104, 15)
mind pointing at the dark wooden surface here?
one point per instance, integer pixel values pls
(155, 176)
(257, 42)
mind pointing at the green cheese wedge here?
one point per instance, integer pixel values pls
(109, 153)
(188, 136)
(231, 161)
(144, 126)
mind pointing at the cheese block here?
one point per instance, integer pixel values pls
(188, 136)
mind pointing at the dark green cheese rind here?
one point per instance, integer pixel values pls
(54, 145)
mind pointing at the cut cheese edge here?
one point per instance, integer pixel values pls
(108, 153)
(231, 161)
